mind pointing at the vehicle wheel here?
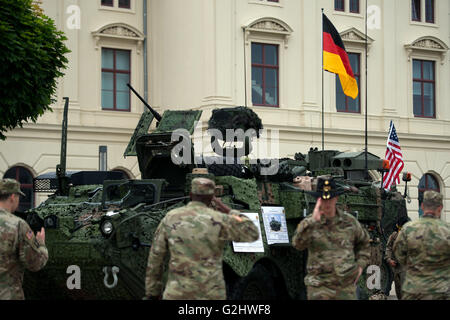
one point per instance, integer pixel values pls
(257, 285)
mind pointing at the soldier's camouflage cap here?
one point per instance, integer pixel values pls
(432, 198)
(203, 186)
(10, 186)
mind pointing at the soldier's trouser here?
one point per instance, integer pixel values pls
(399, 277)
(331, 293)
(424, 296)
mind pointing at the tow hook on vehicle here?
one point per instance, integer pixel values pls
(115, 270)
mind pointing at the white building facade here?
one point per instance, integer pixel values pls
(264, 54)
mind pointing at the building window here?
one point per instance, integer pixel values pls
(115, 76)
(125, 4)
(265, 74)
(429, 11)
(424, 89)
(25, 178)
(354, 6)
(416, 10)
(116, 4)
(108, 3)
(339, 5)
(415, 6)
(428, 182)
(343, 102)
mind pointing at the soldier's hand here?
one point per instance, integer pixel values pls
(360, 270)
(220, 205)
(392, 263)
(317, 210)
(40, 236)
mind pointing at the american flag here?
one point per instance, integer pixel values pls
(395, 157)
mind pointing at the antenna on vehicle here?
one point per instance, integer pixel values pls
(63, 180)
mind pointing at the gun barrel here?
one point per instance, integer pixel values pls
(155, 114)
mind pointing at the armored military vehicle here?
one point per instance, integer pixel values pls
(275, 225)
(99, 227)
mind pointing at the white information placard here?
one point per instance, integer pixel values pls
(256, 246)
(274, 219)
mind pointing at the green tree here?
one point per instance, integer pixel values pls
(31, 60)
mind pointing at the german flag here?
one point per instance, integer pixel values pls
(335, 58)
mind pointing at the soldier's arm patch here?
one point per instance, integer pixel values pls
(29, 235)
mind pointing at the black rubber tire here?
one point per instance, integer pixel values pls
(257, 285)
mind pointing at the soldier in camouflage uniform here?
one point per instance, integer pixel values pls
(20, 249)
(194, 236)
(423, 247)
(338, 246)
(397, 268)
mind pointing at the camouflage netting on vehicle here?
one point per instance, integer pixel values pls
(364, 203)
(75, 242)
(242, 190)
(394, 203)
(235, 118)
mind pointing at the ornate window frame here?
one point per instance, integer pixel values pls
(270, 27)
(431, 49)
(356, 40)
(428, 46)
(267, 30)
(119, 31)
(125, 37)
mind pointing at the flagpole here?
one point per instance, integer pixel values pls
(245, 71)
(323, 109)
(365, 136)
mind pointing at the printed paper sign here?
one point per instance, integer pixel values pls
(256, 246)
(274, 219)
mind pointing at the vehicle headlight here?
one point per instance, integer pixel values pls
(51, 222)
(106, 228)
